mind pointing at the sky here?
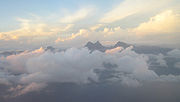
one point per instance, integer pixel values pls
(27, 24)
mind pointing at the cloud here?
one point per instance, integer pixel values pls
(77, 16)
(115, 50)
(95, 27)
(34, 70)
(7, 37)
(174, 53)
(82, 32)
(102, 34)
(177, 65)
(4, 81)
(130, 82)
(169, 78)
(21, 90)
(147, 35)
(128, 7)
(165, 22)
(34, 29)
(62, 67)
(16, 63)
(159, 59)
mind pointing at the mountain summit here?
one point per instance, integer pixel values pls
(121, 44)
(98, 46)
(95, 46)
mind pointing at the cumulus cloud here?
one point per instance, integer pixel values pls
(115, 50)
(165, 22)
(82, 33)
(32, 28)
(103, 34)
(148, 33)
(34, 70)
(34, 31)
(159, 59)
(16, 63)
(174, 53)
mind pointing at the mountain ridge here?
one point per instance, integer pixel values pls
(139, 49)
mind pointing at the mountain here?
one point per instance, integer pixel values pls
(49, 48)
(96, 46)
(121, 44)
(138, 49)
(8, 53)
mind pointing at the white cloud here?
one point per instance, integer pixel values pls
(34, 29)
(17, 63)
(81, 33)
(129, 7)
(159, 59)
(77, 16)
(165, 22)
(95, 27)
(84, 35)
(115, 50)
(39, 68)
(174, 53)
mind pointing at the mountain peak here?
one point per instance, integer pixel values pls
(98, 46)
(95, 46)
(49, 48)
(89, 44)
(98, 43)
(121, 44)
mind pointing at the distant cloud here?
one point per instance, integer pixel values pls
(77, 16)
(95, 27)
(165, 22)
(6, 37)
(128, 7)
(21, 90)
(174, 53)
(115, 50)
(82, 32)
(34, 28)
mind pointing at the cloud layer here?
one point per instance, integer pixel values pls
(34, 70)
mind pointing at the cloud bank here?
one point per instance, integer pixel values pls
(33, 70)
